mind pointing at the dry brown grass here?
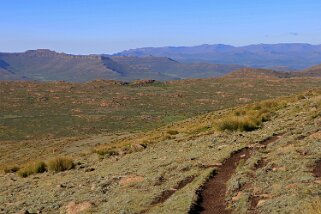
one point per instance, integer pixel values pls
(60, 164)
(32, 168)
(238, 123)
(314, 207)
(10, 169)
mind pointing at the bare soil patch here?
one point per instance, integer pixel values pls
(212, 198)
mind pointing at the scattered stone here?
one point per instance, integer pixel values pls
(237, 197)
(260, 203)
(75, 208)
(217, 164)
(89, 169)
(131, 179)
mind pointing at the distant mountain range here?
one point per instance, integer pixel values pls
(48, 65)
(167, 63)
(287, 56)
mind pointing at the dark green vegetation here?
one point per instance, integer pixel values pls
(34, 110)
(49, 65)
(274, 56)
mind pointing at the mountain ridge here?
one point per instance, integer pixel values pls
(294, 56)
(47, 65)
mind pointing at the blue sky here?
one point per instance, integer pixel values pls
(108, 26)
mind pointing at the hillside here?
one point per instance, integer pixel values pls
(314, 71)
(290, 56)
(274, 167)
(259, 73)
(37, 110)
(52, 66)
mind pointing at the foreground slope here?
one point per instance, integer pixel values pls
(165, 175)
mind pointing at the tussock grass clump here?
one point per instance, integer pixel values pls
(60, 164)
(33, 167)
(250, 118)
(106, 151)
(10, 169)
(172, 132)
(237, 123)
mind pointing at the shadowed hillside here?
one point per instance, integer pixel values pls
(52, 66)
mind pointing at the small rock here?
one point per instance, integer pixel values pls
(260, 203)
(61, 186)
(93, 187)
(24, 212)
(74, 208)
(217, 164)
(237, 197)
(89, 169)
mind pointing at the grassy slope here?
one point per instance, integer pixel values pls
(138, 182)
(31, 110)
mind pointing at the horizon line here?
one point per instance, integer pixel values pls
(168, 46)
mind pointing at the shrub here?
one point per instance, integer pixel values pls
(106, 151)
(60, 164)
(10, 169)
(235, 123)
(172, 132)
(32, 168)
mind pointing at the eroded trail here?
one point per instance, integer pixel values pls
(212, 197)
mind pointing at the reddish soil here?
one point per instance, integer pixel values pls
(271, 139)
(212, 198)
(168, 193)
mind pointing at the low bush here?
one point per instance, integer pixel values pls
(172, 132)
(60, 164)
(106, 151)
(10, 169)
(239, 123)
(32, 168)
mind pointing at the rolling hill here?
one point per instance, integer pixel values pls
(291, 56)
(48, 65)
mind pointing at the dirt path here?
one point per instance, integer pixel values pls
(212, 197)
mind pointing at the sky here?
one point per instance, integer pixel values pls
(109, 26)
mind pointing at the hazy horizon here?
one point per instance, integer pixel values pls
(91, 27)
(169, 46)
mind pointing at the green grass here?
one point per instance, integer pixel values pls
(34, 110)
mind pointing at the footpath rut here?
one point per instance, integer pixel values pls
(212, 195)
